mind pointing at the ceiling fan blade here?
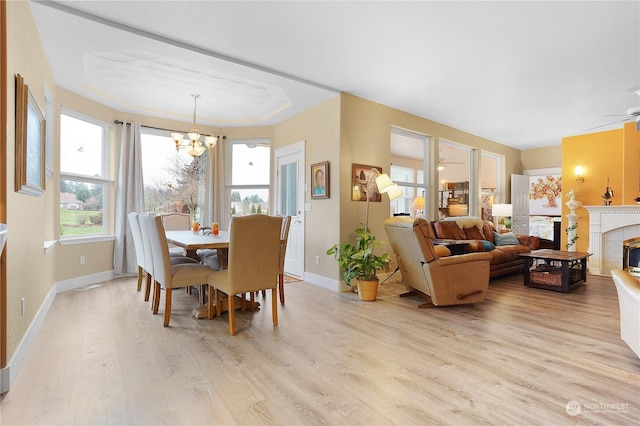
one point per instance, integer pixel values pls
(635, 89)
(608, 124)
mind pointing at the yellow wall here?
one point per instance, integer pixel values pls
(541, 158)
(613, 154)
(319, 127)
(30, 274)
(365, 139)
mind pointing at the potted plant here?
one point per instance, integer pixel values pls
(360, 262)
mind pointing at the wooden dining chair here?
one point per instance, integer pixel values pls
(254, 255)
(165, 274)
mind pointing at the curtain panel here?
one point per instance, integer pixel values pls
(129, 197)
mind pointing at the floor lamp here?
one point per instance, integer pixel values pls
(385, 185)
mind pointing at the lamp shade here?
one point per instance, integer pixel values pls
(210, 141)
(502, 210)
(418, 203)
(384, 183)
(394, 192)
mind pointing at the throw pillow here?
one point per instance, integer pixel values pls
(487, 231)
(488, 245)
(473, 233)
(448, 231)
(441, 251)
(508, 239)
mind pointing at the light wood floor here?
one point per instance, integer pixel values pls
(518, 358)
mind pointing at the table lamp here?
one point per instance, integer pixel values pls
(418, 204)
(501, 211)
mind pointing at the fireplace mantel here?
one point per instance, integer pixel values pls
(603, 219)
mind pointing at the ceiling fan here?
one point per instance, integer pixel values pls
(442, 163)
(633, 113)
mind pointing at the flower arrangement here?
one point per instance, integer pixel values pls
(548, 188)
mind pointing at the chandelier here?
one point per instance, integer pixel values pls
(193, 145)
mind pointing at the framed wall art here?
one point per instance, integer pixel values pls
(545, 195)
(320, 180)
(30, 142)
(360, 176)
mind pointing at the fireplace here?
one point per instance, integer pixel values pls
(609, 227)
(631, 256)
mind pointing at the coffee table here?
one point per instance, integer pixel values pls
(559, 270)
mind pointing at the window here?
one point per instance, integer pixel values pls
(247, 188)
(409, 159)
(490, 182)
(84, 179)
(454, 166)
(173, 180)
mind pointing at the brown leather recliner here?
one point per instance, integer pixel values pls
(452, 280)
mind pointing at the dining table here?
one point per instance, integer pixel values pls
(192, 242)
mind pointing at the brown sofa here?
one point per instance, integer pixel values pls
(504, 259)
(441, 281)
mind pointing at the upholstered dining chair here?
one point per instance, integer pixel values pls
(254, 259)
(284, 238)
(148, 257)
(136, 232)
(176, 222)
(166, 274)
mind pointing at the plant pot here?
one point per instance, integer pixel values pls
(368, 290)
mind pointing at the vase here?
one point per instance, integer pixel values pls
(368, 290)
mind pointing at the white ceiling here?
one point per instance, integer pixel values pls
(524, 74)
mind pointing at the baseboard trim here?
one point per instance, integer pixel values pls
(325, 282)
(10, 372)
(16, 361)
(73, 283)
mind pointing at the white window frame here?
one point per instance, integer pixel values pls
(229, 187)
(474, 175)
(102, 180)
(49, 117)
(424, 186)
(499, 172)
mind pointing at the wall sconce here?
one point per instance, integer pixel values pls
(579, 171)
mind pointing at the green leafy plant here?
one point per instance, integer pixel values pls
(359, 260)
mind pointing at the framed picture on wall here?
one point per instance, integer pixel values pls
(30, 142)
(360, 176)
(545, 194)
(320, 180)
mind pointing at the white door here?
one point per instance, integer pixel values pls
(290, 178)
(520, 203)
